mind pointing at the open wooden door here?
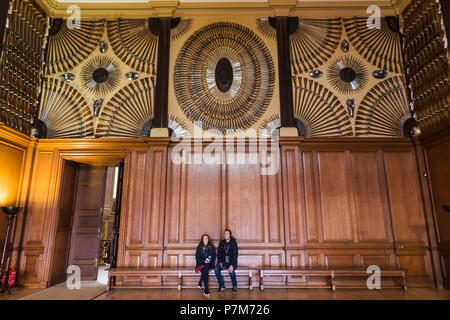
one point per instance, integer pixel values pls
(85, 242)
(115, 245)
(64, 228)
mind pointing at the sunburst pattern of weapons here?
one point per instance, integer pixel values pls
(64, 111)
(128, 111)
(319, 110)
(383, 109)
(249, 72)
(263, 26)
(314, 42)
(381, 47)
(182, 27)
(347, 74)
(100, 75)
(178, 127)
(270, 126)
(68, 47)
(133, 43)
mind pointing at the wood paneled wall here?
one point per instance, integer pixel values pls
(437, 153)
(16, 156)
(334, 202)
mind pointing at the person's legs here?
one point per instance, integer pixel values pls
(205, 274)
(217, 271)
(233, 279)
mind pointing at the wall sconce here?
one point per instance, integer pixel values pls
(10, 213)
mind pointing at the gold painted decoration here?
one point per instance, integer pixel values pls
(384, 109)
(128, 111)
(263, 26)
(224, 76)
(100, 75)
(381, 47)
(270, 126)
(313, 43)
(319, 110)
(181, 28)
(68, 47)
(177, 127)
(347, 75)
(133, 42)
(64, 111)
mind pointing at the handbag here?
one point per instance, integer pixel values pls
(197, 270)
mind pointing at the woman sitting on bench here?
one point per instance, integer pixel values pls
(206, 257)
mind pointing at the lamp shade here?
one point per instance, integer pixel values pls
(11, 210)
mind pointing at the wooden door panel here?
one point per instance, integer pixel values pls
(87, 220)
(64, 229)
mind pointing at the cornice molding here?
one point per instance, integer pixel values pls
(176, 8)
(14, 137)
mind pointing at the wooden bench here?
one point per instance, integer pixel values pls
(248, 272)
(143, 273)
(398, 274)
(330, 273)
(286, 271)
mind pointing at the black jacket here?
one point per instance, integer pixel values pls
(232, 252)
(200, 256)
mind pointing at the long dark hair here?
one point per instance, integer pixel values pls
(209, 244)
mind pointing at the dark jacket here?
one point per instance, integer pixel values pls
(200, 256)
(232, 252)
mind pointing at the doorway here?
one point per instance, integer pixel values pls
(88, 220)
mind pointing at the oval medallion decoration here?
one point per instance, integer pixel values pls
(224, 76)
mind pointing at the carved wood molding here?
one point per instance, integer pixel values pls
(310, 9)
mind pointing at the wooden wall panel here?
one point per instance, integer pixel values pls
(154, 193)
(312, 201)
(335, 194)
(293, 203)
(202, 216)
(194, 203)
(245, 207)
(137, 195)
(207, 198)
(404, 197)
(142, 215)
(12, 161)
(408, 220)
(370, 198)
(40, 220)
(16, 154)
(437, 153)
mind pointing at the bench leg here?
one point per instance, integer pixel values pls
(261, 281)
(405, 287)
(333, 283)
(180, 281)
(250, 281)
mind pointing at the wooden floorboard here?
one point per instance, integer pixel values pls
(278, 294)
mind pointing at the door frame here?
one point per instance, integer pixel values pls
(88, 158)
